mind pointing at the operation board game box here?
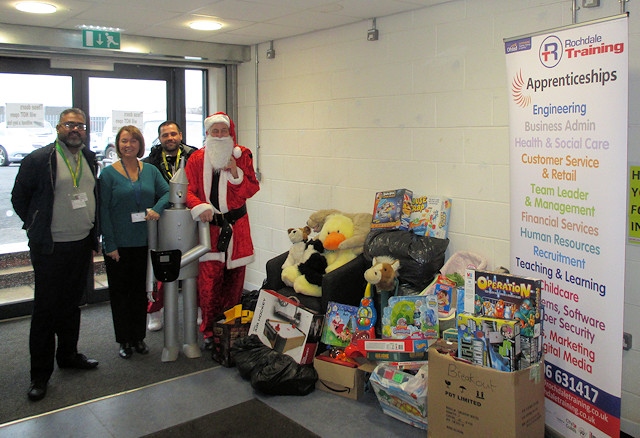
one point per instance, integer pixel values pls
(470, 401)
(430, 216)
(504, 296)
(286, 326)
(392, 209)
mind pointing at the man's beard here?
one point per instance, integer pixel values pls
(218, 151)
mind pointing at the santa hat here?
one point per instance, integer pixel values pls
(221, 117)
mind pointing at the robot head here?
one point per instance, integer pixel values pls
(178, 187)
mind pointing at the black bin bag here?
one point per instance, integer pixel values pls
(421, 257)
(269, 371)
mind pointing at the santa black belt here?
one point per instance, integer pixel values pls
(230, 217)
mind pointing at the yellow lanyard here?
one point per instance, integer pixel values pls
(75, 176)
(166, 164)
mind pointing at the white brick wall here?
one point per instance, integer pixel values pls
(425, 107)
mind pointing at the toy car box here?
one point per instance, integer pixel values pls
(411, 317)
(339, 324)
(349, 382)
(504, 296)
(430, 216)
(283, 324)
(471, 401)
(489, 342)
(402, 394)
(392, 209)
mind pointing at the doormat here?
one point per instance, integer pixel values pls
(252, 418)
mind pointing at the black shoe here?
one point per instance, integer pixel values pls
(37, 390)
(141, 347)
(207, 344)
(79, 362)
(125, 350)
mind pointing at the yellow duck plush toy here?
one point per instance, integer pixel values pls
(336, 229)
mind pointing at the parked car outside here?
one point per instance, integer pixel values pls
(104, 144)
(17, 143)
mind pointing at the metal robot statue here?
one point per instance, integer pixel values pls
(176, 230)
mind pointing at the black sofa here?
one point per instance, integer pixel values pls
(344, 285)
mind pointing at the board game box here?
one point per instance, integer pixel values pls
(430, 216)
(392, 209)
(504, 296)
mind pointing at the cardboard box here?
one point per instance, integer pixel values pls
(342, 380)
(402, 394)
(223, 337)
(472, 401)
(392, 209)
(286, 326)
(430, 216)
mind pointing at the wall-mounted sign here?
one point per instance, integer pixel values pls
(101, 39)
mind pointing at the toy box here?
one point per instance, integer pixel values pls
(402, 394)
(490, 342)
(411, 316)
(430, 216)
(504, 296)
(444, 292)
(339, 324)
(392, 209)
(471, 401)
(349, 382)
(286, 326)
(223, 337)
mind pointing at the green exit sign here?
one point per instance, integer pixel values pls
(101, 39)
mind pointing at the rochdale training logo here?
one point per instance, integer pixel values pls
(517, 85)
(550, 52)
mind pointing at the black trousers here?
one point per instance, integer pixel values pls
(127, 292)
(60, 281)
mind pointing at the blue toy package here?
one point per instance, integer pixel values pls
(413, 317)
(392, 209)
(339, 324)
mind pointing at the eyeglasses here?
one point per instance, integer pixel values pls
(71, 125)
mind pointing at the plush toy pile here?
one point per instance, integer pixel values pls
(339, 240)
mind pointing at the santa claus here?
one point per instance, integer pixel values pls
(221, 178)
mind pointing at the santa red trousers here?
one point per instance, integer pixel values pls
(219, 289)
(158, 303)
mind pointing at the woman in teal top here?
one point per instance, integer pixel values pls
(131, 193)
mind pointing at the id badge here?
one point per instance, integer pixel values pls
(137, 217)
(79, 200)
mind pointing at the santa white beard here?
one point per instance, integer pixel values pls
(218, 151)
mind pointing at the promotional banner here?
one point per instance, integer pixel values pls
(568, 92)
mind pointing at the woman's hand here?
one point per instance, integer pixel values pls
(151, 215)
(114, 255)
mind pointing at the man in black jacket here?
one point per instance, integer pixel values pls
(166, 157)
(55, 195)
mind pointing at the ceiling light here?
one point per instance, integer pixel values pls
(36, 7)
(205, 25)
(101, 28)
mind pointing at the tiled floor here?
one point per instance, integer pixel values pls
(156, 407)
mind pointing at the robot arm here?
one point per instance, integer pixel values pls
(204, 237)
(152, 228)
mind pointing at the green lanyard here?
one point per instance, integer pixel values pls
(75, 176)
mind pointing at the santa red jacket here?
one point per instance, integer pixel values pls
(232, 194)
